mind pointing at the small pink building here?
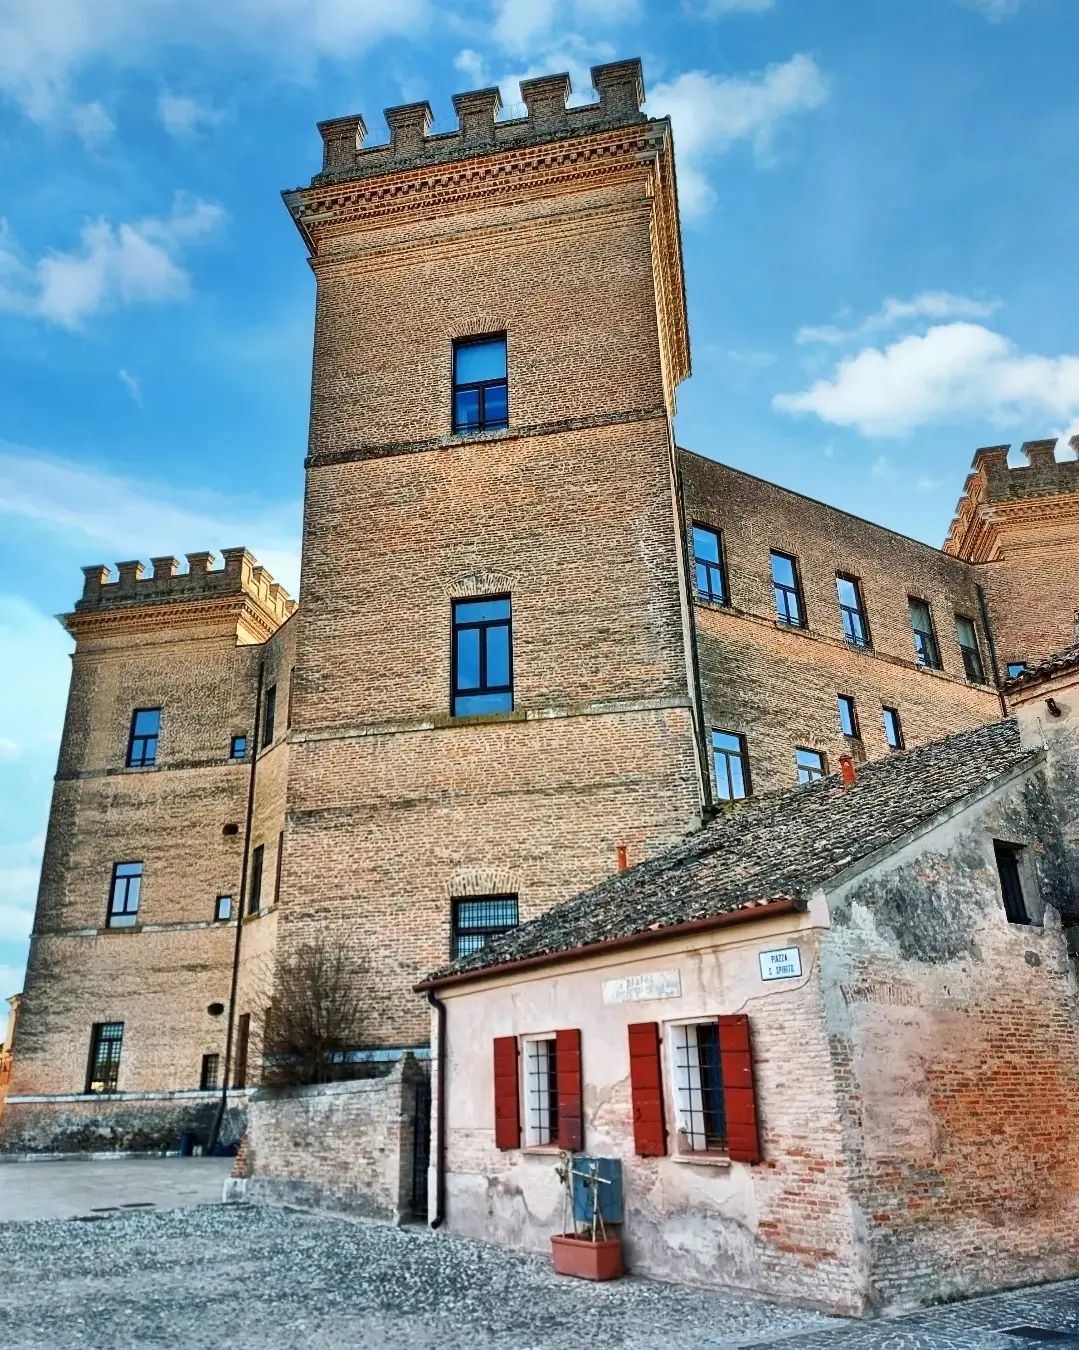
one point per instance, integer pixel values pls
(831, 1037)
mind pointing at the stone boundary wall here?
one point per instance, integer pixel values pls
(126, 1123)
(338, 1146)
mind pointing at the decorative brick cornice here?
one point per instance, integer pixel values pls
(996, 496)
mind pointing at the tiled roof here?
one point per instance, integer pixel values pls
(780, 846)
(1046, 668)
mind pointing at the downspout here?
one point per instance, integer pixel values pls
(241, 909)
(1005, 711)
(440, 1107)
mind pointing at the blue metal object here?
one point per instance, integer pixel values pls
(610, 1195)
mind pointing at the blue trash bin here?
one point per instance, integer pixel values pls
(187, 1143)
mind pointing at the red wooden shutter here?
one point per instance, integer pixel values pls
(646, 1087)
(570, 1090)
(739, 1094)
(507, 1094)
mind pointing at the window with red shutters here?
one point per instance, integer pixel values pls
(646, 1088)
(739, 1093)
(570, 1090)
(507, 1094)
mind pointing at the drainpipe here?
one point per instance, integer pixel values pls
(1005, 711)
(241, 907)
(440, 1107)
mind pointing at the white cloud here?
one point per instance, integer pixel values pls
(954, 372)
(894, 312)
(114, 265)
(995, 10)
(522, 26)
(131, 384)
(184, 118)
(92, 124)
(712, 112)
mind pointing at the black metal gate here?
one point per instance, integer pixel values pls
(421, 1148)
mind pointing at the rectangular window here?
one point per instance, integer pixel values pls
(208, 1078)
(480, 391)
(288, 705)
(269, 712)
(926, 651)
(852, 610)
(848, 716)
(968, 645)
(731, 765)
(787, 587)
(142, 742)
(477, 920)
(541, 1091)
(1016, 668)
(893, 728)
(124, 895)
(698, 1088)
(223, 909)
(238, 747)
(482, 656)
(277, 868)
(243, 1045)
(254, 890)
(1011, 881)
(809, 765)
(103, 1071)
(709, 567)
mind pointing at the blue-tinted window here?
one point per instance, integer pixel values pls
(893, 728)
(142, 743)
(223, 909)
(731, 766)
(708, 564)
(1016, 668)
(124, 895)
(848, 715)
(809, 764)
(788, 590)
(480, 389)
(852, 610)
(926, 651)
(238, 747)
(477, 920)
(482, 656)
(967, 636)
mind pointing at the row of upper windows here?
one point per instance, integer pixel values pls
(711, 581)
(125, 890)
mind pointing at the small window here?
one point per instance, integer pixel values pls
(926, 651)
(142, 742)
(124, 895)
(731, 765)
(482, 656)
(477, 920)
(243, 1046)
(787, 587)
(269, 712)
(211, 1069)
(893, 728)
(278, 866)
(1016, 668)
(254, 890)
(103, 1071)
(848, 716)
(967, 635)
(541, 1091)
(809, 765)
(238, 747)
(698, 1088)
(288, 705)
(852, 610)
(1008, 858)
(709, 567)
(223, 909)
(480, 392)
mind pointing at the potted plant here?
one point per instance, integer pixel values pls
(587, 1251)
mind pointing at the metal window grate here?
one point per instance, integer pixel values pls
(106, 1041)
(698, 1080)
(211, 1068)
(476, 921)
(541, 1091)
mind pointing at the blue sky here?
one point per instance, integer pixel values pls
(879, 204)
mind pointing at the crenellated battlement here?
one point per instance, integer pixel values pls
(993, 485)
(240, 575)
(619, 88)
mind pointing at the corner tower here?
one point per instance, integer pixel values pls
(492, 683)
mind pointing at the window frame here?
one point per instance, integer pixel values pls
(710, 566)
(117, 917)
(482, 626)
(243, 1050)
(207, 1082)
(98, 1038)
(682, 1139)
(269, 715)
(218, 916)
(855, 733)
(778, 587)
(147, 742)
(255, 880)
(859, 611)
(928, 636)
(486, 931)
(549, 1125)
(814, 773)
(900, 741)
(233, 742)
(972, 655)
(480, 387)
(741, 754)
(1010, 860)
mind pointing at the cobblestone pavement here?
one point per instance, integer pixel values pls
(245, 1277)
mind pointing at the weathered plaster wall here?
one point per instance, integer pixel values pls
(953, 1034)
(782, 1228)
(1058, 734)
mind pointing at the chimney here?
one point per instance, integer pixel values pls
(623, 857)
(847, 771)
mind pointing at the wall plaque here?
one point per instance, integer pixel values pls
(638, 988)
(783, 964)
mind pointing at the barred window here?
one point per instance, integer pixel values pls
(103, 1071)
(477, 920)
(809, 765)
(541, 1091)
(124, 895)
(698, 1087)
(709, 566)
(731, 766)
(142, 741)
(211, 1070)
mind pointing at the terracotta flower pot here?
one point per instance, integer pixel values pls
(587, 1260)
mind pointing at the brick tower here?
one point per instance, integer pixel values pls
(492, 684)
